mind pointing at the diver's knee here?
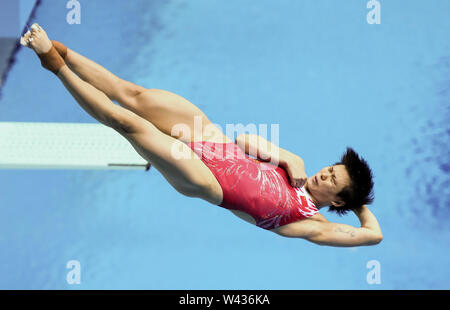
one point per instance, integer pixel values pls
(128, 92)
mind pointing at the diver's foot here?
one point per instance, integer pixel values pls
(61, 48)
(38, 40)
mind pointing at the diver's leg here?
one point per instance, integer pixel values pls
(162, 108)
(114, 87)
(96, 75)
(169, 112)
(187, 174)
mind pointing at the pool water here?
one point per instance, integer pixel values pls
(316, 68)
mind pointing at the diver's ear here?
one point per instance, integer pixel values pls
(338, 203)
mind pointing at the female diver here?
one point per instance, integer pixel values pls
(279, 198)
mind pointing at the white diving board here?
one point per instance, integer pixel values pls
(26, 145)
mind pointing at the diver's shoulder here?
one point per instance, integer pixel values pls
(318, 217)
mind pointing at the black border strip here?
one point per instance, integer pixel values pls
(214, 299)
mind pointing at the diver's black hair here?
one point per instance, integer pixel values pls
(360, 190)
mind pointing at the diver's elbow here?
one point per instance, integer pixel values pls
(376, 240)
(379, 238)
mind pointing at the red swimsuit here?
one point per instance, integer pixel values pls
(254, 187)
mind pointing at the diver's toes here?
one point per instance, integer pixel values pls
(39, 41)
(24, 39)
(35, 28)
(23, 42)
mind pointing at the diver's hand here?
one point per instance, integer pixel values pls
(295, 168)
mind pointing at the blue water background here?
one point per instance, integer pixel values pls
(316, 68)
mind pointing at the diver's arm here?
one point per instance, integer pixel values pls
(266, 151)
(332, 234)
(368, 220)
(342, 235)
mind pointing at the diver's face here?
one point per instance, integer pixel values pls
(327, 183)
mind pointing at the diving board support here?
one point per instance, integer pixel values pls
(25, 145)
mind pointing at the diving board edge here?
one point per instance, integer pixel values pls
(34, 145)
